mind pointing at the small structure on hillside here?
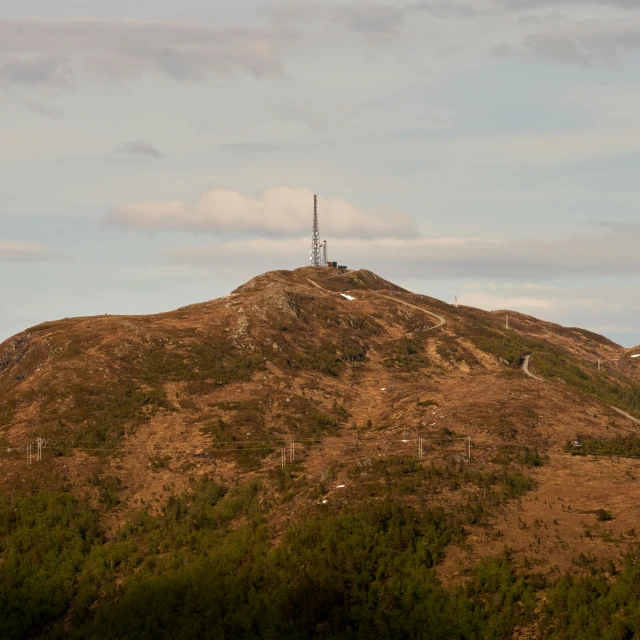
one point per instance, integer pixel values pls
(319, 254)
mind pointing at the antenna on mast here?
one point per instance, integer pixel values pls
(314, 255)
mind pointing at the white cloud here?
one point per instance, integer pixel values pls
(26, 252)
(276, 212)
(437, 258)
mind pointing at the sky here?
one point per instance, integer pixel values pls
(155, 154)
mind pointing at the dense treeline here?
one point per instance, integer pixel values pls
(44, 543)
(595, 607)
(191, 572)
(359, 574)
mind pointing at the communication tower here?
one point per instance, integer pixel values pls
(314, 255)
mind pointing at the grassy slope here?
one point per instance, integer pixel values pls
(282, 357)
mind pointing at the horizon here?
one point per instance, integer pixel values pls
(160, 312)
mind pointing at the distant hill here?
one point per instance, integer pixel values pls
(322, 416)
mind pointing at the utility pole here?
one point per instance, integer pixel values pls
(507, 325)
(284, 457)
(469, 449)
(28, 455)
(293, 449)
(420, 452)
(598, 364)
(39, 454)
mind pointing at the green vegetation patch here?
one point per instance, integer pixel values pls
(551, 363)
(323, 358)
(205, 567)
(99, 408)
(306, 418)
(449, 349)
(45, 540)
(109, 488)
(407, 354)
(619, 446)
(367, 572)
(594, 607)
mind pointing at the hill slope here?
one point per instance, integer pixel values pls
(305, 398)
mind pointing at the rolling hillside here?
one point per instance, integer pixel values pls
(318, 454)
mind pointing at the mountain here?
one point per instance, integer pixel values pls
(302, 447)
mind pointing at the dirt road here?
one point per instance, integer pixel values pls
(440, 319)
(625, 414)
(525, 368)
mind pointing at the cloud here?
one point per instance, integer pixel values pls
(251, 147)
(604, 307)
(34, 106)
(537, 4)
(490, 302)
(26, 252)
(579, 256)
(307, 116)
(41, 109)
(371, 19)
(473, 8)
(582, 292)
(451, 8)
(588, 42)
(48, 70)
(596, 33)
(48, 52)
(276, 212)
(581, 32)
(137, 148)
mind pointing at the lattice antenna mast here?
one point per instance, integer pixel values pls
(325, 254)
(315, 236)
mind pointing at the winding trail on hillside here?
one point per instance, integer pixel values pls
(625, 414)
(315, 284)
(525, 368)
(441, 321)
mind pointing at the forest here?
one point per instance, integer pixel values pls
(359, 572)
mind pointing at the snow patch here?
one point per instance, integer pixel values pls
(344, 295)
